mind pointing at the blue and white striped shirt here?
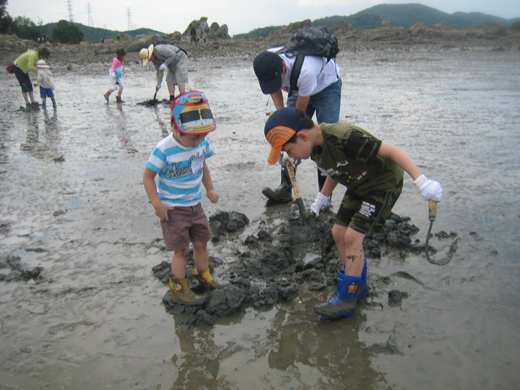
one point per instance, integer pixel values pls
(180, 171)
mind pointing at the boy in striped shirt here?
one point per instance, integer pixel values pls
(179, 162)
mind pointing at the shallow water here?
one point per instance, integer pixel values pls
(73, 203)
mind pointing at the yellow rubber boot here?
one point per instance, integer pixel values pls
(206, 279)
(180, 292)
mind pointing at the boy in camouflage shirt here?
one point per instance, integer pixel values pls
(371, 170)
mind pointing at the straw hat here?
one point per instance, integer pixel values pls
(146, 54)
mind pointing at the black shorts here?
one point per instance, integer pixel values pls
(23, 79)
(369, 213)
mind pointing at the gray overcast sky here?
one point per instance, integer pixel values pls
(241, 16)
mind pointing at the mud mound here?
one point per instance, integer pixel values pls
(16, 269)
(268, 266)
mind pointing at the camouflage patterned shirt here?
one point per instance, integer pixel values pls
(349, 156)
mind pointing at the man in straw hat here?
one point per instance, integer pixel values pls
(171, 58)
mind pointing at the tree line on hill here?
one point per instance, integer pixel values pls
(401, 15)
(61, 32)
(25, 28)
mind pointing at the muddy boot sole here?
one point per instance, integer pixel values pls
(214, 284)
(189, 298)
(346, 308)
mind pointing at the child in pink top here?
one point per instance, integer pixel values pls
(115, 74)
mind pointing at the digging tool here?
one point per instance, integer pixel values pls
(432, 215)
(159, 80)
(290, 171)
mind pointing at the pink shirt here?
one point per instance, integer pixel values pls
(117, 67)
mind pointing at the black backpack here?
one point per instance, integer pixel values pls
(313, 41)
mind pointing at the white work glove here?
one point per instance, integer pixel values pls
(162, 68)
(158, 86)
(429, 189)
(285, 158)
(320, 202)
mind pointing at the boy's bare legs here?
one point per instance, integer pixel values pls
(200, 256)
(179, 263)
(201, 271)
(180, 289)
(351, 282)
(350, 248)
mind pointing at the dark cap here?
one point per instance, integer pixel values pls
(120, 52)
(44, 52)
(268, 68)
(279, 128)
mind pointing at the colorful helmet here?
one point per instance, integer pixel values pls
(192, 114)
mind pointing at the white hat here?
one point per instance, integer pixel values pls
(146, 54)
(41, 64)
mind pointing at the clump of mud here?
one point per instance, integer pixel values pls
(16, 270)
(267, 270)
(153, 102)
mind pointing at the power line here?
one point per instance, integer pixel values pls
(71, 18)
(89, 11)
(130, 24)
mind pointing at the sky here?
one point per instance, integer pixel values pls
(241, 16)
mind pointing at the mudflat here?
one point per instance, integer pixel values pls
(83, 300)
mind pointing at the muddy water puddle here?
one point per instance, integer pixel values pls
(73, 203)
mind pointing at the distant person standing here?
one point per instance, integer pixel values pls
(115, 74)
(202, 36)
(44, 39)
(22, 66)
(193, 35)
(171, 58)
(103, 40)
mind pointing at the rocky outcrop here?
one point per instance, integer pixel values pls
(496, 36)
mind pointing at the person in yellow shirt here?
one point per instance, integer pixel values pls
(22, 66)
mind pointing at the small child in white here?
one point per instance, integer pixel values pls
(46, 82)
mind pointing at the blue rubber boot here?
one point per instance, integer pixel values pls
(363, 286)
(343, 304)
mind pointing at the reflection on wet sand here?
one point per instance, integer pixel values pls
(72, 203)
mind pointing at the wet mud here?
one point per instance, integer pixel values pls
(83, 298)
(267, 271)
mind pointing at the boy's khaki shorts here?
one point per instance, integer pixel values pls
(185, 225)
(368, 214)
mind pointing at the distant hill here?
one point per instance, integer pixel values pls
(94, 34)
(260, 32)
(406, 15)
(401, 15)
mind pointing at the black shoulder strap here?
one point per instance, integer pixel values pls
(295, 73)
